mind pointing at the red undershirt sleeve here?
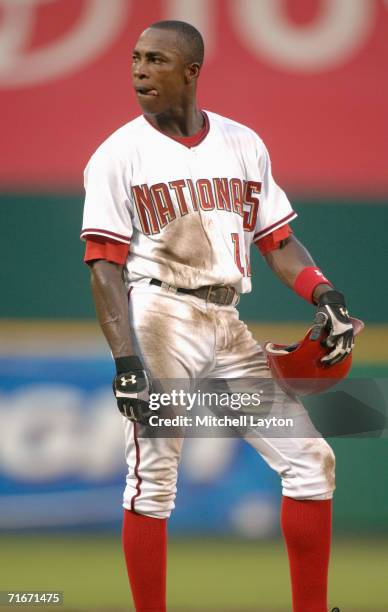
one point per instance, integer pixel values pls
(99, 247)
(272, 241)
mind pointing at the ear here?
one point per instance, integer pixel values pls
(192, 71)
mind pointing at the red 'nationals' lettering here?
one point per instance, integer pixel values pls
(164, 205)
(157, 205)
(145, 207)
(250, 216)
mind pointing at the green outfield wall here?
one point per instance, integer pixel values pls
(42, 275)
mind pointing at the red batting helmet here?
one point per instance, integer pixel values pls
(298, 367)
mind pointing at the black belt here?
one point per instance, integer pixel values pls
(217, 294)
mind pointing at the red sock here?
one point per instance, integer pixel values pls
(145, 549)
(306, 526)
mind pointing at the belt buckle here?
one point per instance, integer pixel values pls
(225, 293)
(220, 294)
(231, 291)
(212, 294)
(227, 301)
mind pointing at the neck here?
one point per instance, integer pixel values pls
(178, 122)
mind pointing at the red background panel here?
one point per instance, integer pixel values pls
(326, 129)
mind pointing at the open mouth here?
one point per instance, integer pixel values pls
(146, 91)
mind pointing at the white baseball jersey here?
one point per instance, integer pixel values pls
(189, 215)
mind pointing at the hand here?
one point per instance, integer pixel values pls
(132, 391)
(332, 316)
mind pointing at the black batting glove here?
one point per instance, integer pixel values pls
(332, 316)
(131, 388)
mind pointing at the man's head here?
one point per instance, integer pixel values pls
(166, 64)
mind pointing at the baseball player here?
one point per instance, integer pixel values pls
(174, 200)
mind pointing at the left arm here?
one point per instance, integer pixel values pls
(288, 261)
(294, 266)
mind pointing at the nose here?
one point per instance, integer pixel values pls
(139, 69)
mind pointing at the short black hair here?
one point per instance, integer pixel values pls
(189, 37)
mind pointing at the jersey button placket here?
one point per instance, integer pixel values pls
(195, 175)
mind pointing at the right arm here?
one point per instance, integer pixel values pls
(131, 384)
(111, 302)
(107, 208)
(107, 229)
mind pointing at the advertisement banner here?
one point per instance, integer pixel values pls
(310, 78)
(62, 458)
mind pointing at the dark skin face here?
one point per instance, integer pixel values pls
(165, 83)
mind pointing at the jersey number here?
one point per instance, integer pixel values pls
(245, 270)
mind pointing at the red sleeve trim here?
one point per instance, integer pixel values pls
(108, 249)
(272, 241)
(92, 231)
(274, 226)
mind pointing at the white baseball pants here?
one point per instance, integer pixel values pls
(183, 337)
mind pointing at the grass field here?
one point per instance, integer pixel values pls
(217, 575)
